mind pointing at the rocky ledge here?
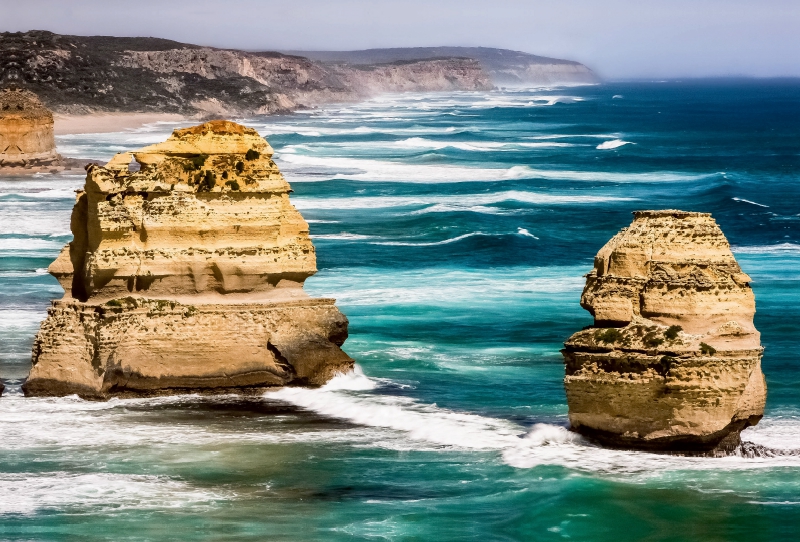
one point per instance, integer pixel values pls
(673, 361)
(186, 273)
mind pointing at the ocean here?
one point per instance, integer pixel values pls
(454, 230)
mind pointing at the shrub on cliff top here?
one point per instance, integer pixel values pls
(672, 332)
(209, 181)
(707, 349)
(610, 335)
(652, 340)
(195, 162)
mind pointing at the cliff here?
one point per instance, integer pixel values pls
(673, 361)
(186, 273)
(504, 67)
(74, 74)
(26, 130)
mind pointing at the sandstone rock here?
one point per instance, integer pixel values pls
(187, 274)
(26, 131)
(673, 361)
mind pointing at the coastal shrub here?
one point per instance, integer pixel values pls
(252, 154)
(672, 332)
(196, 162)
(707, 349)
(209, 181)
(233, 184)
(224, 174)
(239, 167)
(665, 364)
(114, 303)
(652, 340)
(610, 335)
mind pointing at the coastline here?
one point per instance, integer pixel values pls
(96, 123)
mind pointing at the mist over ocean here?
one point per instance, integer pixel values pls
(454, 231)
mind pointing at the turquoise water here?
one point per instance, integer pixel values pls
(454, 230)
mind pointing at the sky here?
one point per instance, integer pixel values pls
(619, 39)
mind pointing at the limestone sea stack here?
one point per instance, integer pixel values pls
(185, 273)
(673, 361)
(26, 131)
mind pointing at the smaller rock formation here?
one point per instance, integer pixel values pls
(673, 361)
(26, 131)
(186, 273)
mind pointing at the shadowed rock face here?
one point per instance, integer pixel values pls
(186, 272)
(673, 361)
(26, 130)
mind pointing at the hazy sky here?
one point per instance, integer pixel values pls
(617, 38)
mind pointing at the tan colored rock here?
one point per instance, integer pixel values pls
(187, 274)
(26, 130)
(673, 361)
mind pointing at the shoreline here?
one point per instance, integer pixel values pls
(96, 123)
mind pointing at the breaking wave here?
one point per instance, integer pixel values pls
(613, 144)
(27, 494)
(452, 202)
(351, 397)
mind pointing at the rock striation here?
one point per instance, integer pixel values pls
(26, 131)
(186, 273)
(673, 361)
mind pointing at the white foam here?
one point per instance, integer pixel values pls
(436, 243)
(780, 248)
(27, 244)
(445, 287)
(452, 202)
(543, 444)
(37, 222)
(74, 424)
(14, 320)
(474, 146)
(344, 236)
(296, 166)
(613, 144)
(26, 493)
(525, 232)
(420, 422)
(750, 202)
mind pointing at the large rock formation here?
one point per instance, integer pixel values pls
(187, 273)
(26, 131)
(673, 361)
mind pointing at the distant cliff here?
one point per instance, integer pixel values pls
(77, 74)
(505, 67)
(74, 74)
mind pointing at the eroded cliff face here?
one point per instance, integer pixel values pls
(186, 272)
(304, 83)
(673, 361)
(26, 130)
(86, 74)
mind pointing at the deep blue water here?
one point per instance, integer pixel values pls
(454, 230)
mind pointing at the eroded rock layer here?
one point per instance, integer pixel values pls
(26, 130)
(186, 272)
(673, 361)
